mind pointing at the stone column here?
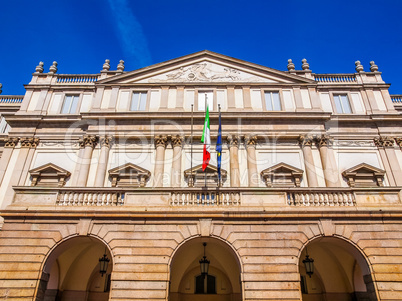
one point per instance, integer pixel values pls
(306, 143)
(328, 162)
(10, 143)
(253, 177)
(177, 142)
(160, 144)
(234, 160)
(387, 152)
(30, 143)
(88, 143)
(105, 143)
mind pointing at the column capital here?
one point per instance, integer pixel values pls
(160, 140)
(384, 141)
(306, 140)
(11, 142)
(177, 141)
(398, 141)
(89, 140)
(324, 140)
(106, 141)
(250, 141)
(233, 140)
(29, 142)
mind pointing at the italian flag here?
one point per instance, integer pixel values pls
(206, 139)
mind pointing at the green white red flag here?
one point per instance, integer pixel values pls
(206, 139)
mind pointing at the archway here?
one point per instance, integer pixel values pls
(222, 282)
(340, 272)
(71, 272)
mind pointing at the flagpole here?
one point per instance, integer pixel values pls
(191, 144)
(206, 104)
(219, 176)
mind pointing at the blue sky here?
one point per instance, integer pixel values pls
(80, 35)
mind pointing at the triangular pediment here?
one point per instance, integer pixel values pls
(363, 168)
(282, 168)
(205, 67)
(211, 169)
(49, 168)
(129, 169)
(129, 175)
(49, 175)
(282, 175)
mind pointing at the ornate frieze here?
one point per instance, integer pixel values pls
(306, 140)
(29, 142)
(250, 141)
(233, 140)
(177, 141)
(106, 141)
(324, 141)
(160, 140)
(398, 141)
(10, 142)
(89, 140)
(384, 141)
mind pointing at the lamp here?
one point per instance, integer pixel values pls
(204, 263)
(103, 262)
(308, 264)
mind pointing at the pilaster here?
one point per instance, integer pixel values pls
(234, 160)
(306, 143)
(160, 145)
(253, 177)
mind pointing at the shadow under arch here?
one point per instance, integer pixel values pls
(71, 271)
(341, 271)
(225, 269)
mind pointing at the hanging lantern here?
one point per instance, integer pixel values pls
(204, 263)
(309, 265)
(103, 263)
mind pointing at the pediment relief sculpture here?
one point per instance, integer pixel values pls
(129, 175)
(364, 175)
(196, 177)
(282, 175)
(49, 175)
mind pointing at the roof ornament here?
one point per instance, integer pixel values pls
(106, 65)
(53, 68)
(359, 67)
(120, 66)
(291, 66)
(373, 67)
(39, 68)
(305, 65)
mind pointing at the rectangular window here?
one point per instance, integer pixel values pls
(70, 104)
(272, 101)
(342, 104)
(138, 101)
(203, 98)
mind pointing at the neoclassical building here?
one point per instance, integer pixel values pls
(105, 169)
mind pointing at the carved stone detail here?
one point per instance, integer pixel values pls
(291, 66)
(233, 140)
(177, 141)
(30, 142)
(250, 141)
(10, 142)
(89, 140)
(39, 68)
(398, 141)
(324, 140)
(106, 141)
(53, 68)
(160, 140)
(384, 141)
(306, 140)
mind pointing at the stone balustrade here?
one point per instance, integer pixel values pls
(335, 78)
(321, 198)
(204, 197)
(396, 99)
(89, 198)
(11, 99)
(76, 79)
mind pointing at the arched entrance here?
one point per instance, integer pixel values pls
(72, 272)
(222, 282)
(340, 272)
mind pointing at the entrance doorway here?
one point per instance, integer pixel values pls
(222, 283)
(340, 272)
(72, 272)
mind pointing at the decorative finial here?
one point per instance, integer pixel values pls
(39, 68)
(53, 68)
(1, 86)
(120, 66)
(106, 65)
(359, 67)
(291, 66)
(373, 67)
(305, 65)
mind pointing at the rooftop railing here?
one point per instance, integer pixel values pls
(12, 99)
(335, 78)
(76, 78)
(397, 98)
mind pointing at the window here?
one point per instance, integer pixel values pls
(272, 101)
(342, 104)
(70, 104)
(205, 284)
(203, 97)
(138, 101)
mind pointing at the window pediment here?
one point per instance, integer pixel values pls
(49, 175)
(129, 175)
(196, 177)
(282, 175)
(364, 175)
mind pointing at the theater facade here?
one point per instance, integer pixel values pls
(103, 195)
